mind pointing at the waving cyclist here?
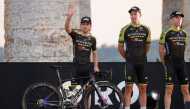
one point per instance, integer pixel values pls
(84, 44)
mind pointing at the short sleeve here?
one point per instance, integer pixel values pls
(148, 40)
(73, 34)
(93, 44)
(162, 38)
(186, 38)
(122, 35)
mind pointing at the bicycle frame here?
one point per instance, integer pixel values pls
(91, 82)
(67, 94)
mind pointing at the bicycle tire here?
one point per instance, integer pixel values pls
(104, 84)
(49, 97)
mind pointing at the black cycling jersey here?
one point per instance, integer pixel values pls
(135, 39)
(174, 42)
(83, 45)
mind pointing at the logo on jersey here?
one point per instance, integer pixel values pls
(141, 29)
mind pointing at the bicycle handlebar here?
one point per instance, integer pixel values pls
(57, 67)
(102, 73)
(106, 73)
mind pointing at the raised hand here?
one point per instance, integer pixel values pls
(70, 13)
(71, 9)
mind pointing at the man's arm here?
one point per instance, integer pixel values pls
(95, 61)
(148, 41)
(186, 39)
(147, 47)
(70, 13)
(121, 42)
(94, 55)
(122, 50)
(162, 52)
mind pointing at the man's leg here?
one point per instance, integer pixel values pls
(183, 79)
(83, 71)
(169, 73)
(127, 95)
(143, 95)
(186, 96)
(129, 84)
(143, 82)
(167, 96)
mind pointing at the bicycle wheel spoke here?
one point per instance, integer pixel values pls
(41, 96)
(32, 102)
(32, 105)
(50, 95)
(36, 93)
(52, 104)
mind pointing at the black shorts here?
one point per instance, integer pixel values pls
(176, 69)
(135, 73)
(82, 71)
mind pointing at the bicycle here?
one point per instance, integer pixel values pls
(67, 95)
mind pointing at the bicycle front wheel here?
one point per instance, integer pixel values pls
(41, 96)
(111, 94)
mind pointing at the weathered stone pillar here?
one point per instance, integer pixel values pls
(34, 30)
(168, 7)
(186, 9)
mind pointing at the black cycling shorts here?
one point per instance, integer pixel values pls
(176, 69)
(82, 71)
(135, 73)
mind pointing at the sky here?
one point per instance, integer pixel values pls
(109, 16)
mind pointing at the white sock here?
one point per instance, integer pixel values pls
(127, 107)
(167, 108)
(144, 107)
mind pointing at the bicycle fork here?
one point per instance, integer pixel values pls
(103, 100)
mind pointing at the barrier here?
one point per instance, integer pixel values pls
(15, 77)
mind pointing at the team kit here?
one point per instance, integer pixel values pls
(134, 42)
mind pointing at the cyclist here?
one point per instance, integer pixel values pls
(171, 47)
(134, 43)
(84, 44)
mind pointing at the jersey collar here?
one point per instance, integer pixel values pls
(135, 25)
(88, 34)
(175, 29)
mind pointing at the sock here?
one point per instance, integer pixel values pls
(127, 107)
(144, 107)
(167, 107)
(187, 105)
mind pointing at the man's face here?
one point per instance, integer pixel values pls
(177, 20)
(135, 16)
(85, 27)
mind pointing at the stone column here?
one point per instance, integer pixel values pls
(168, 7)
(186, 24)
(34, 30)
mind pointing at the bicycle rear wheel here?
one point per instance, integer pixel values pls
(111, 94)
(41, 96)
